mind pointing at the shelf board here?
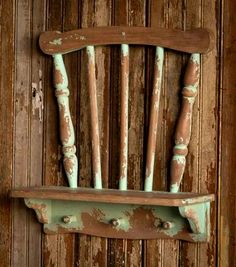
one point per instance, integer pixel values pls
(112, 196)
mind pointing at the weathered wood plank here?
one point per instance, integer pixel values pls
(7, 64)
(52, 148)
(84, 136)
(21, 131)
(102, 10)
(174, 11)
(116, 247)
(136, 17)
(188, 251)
(70, 21)
(227, 182)
(38, 12)
(155, 18)
(209, 131)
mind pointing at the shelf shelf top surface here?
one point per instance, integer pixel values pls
(111, 196)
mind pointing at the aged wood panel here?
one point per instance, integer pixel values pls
(52, 153)
(36, 141)
(22, 110)
(188, 253)
(117, 247)
(36, 124)
(7, 65)
(209, 132)
(156, 17)
(136, 17)
(227, 182)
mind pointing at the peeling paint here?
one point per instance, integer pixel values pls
(152, 132)
(67, 135)
(37, 100)
(125, 50)
(56, 41)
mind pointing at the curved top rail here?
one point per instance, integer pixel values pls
(191, 41)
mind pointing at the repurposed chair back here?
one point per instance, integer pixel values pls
(193, 42)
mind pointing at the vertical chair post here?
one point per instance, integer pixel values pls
(152, 132)
(96, 157)
(183, 130)
(67, 134)
(124, 116)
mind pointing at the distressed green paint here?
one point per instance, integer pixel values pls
(192, 88)
(125, 50)
(197, 216)
(179, 158)
(98, 181)
(151, 148)
(59, 66)
(195, 58)
(67, 135)
(174, 188)
(91, 53)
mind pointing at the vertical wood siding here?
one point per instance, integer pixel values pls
(30, 148)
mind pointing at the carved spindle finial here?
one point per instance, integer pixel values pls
(183, 130)
(66, 127)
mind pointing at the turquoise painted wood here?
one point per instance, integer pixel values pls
(114, 220)
(152, 133)
(67, 134)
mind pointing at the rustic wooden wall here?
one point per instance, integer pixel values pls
(29, 143)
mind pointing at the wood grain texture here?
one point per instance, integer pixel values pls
(227, 182)
(112, 196)
(20, 222)
(189, 252)
(117, 248)
(52, 150)
(192, 41)
(7, 63)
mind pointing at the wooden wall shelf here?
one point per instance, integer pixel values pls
(123, 213)
(120, 214)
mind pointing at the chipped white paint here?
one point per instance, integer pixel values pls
(37, 100)
(179, 159)
(195, 58)
(190, 100)
(66, 127)
(155, 102)
(56, 42)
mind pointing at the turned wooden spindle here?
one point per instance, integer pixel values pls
(152, 131)
(183, 129)
(96, 155)
(124, 116)
(66, 127)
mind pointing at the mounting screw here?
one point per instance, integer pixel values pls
(115, 222)
(167, 225)
(69, 219)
